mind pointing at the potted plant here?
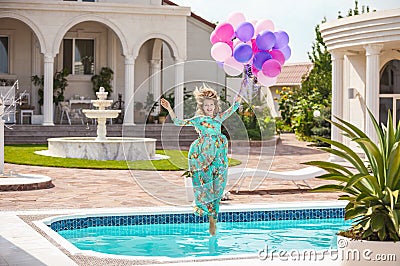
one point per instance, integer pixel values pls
(162, 116)
(103, 79)
(139, 114)
(60, 83)
(371, 189)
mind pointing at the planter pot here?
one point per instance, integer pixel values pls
(161, 119)
(361, 252)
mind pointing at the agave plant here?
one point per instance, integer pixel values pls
(372, 187)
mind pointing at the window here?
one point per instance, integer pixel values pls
(4, 54)
(78, 56)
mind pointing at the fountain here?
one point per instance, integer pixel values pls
(101, 114)
(102, 147)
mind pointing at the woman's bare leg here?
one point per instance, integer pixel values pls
(213, 225)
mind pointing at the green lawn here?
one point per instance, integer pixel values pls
(24, 154)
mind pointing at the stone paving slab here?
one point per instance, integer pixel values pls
(86, 188)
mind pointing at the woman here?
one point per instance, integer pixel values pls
(208, 161)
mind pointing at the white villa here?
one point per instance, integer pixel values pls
(135, 38)
(365, 53)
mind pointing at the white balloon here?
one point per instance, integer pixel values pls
(265, 80)
(221, 51)
(233, 67)
(235, 18)
(262, 25)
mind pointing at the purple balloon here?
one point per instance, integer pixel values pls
(286, 51)
(260, 58)
(245, 31)
(265, 40)
(282, 39)
(242, 53)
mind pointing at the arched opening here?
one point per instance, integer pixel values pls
(89, 50)
(20, 58)
(389, 91)
(154, 78)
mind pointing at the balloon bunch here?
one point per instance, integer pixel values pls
(254, 46)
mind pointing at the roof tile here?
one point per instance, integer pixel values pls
(292, 74)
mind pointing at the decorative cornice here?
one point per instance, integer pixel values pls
(97, 7)
(371, 28)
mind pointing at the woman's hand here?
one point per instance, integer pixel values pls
(165, 104)
(238, 98)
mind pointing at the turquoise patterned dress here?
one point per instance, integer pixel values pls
(208, 160)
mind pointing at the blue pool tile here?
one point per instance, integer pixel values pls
(69, 224)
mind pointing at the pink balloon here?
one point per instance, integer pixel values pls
(221, 51)
(233, 67)
(213, 38)
(224, 32)
(235, 18)
(263, 25)
(278, 55)
(230, 43)
(266, 81)
(254, 46)
(271, 68)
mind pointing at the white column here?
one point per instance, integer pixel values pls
(36, 70)
(129, 90)
(112, 61)
(155, 82)
(179, 80)
(48, 90)
(337, 97)
(372, 87)
(337, 92)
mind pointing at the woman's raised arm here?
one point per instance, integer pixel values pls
(228, 112)
(176, 120)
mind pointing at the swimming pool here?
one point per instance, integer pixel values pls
(242, 231)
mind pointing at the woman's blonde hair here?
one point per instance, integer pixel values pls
(206, 93)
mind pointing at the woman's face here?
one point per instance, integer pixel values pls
(208, 107)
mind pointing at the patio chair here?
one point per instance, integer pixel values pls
(65, 111)
(70, 113)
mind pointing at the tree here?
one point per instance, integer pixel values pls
(320, 76)
(356, 11)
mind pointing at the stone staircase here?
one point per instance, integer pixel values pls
(167, 135)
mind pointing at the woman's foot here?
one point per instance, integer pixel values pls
(213, 225)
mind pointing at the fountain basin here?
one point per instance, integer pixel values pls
(101, 113)
(114, 148)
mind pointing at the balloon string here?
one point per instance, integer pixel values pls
(247, 75)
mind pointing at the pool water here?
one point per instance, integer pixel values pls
(193, 239)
